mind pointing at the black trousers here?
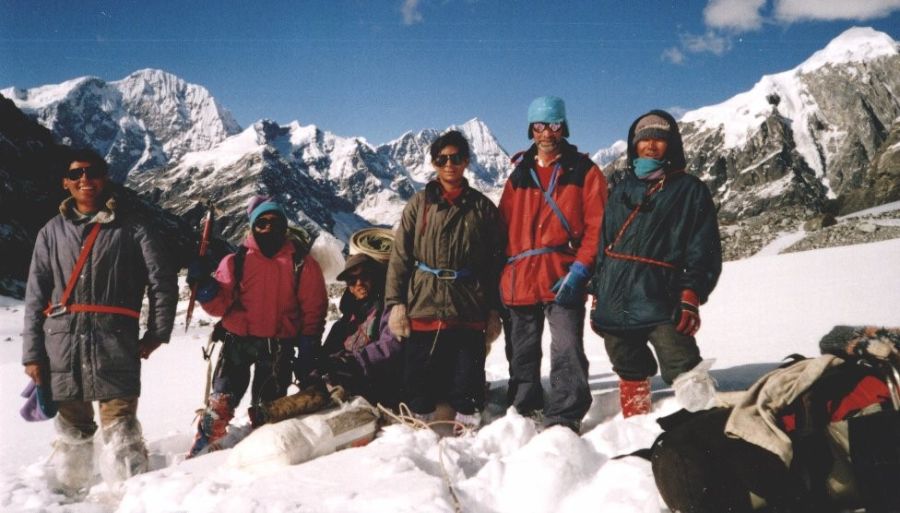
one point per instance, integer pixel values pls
(271, 360)
(445, 365)
(570, 394)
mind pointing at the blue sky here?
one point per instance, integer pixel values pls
(378, 68)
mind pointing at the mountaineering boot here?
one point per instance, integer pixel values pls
(213, 424)
(466, 422)
(634, 396)
(73, 456)
(695, 389)
(124, 454)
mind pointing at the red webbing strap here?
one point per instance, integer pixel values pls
(121, 310)
(635, 258)
(73, 279)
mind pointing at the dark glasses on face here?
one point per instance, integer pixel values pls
(540, 127)
(92, 173)
(353, 278)
(454, 158)
(263, 223)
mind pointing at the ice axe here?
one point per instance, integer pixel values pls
(204, 243)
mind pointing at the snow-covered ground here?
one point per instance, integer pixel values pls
(763, 309)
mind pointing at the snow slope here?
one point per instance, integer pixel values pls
(763, 309)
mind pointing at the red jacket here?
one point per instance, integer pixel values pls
(580, 192)
(268, 305)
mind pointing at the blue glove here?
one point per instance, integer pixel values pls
(570, 288)
(199, 272)
(307, 356)
(206, 292)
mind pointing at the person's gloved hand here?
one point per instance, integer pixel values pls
(306, 360)
(147, 345)
(199, 272)
(398, 322)
(570, 288)
(689, 319)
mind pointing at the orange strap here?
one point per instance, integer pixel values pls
(635, 258)
(61, 307)
(121, 310)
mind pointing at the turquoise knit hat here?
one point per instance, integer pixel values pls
(547, 109)
(259, 205)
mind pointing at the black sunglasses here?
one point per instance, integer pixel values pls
(92, 173)
(351, 279)
(264, 222)
(454, 158)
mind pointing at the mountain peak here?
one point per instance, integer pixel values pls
(855, 44)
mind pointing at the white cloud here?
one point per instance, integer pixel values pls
(711, 42)
(673, 55)
(411, 13)
(737, 15)
(798, 10)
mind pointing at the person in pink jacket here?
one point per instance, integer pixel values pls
(278, 303)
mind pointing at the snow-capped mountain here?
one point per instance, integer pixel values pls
(608, 155)
(30, 160)
(332, 183)
(488, 167)
(820, 131)
(296, 164)
(144, 121)
(821, 137)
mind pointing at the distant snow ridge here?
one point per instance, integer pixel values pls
(328, 182)
(488, 168)
(142, 122)
(608, 155)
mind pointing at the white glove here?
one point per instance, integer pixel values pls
(398, 322)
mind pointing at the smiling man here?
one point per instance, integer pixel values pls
(361, 352)
(90, 268)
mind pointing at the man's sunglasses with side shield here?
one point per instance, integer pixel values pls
(454, 158)
(92, 173)
(540, 127)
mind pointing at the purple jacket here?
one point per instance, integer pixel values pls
(363, 332)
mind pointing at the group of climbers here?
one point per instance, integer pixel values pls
(415, 328)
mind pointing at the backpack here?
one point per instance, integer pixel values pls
(845, 435)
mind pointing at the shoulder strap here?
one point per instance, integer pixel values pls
(76, 271)
(299, 259)
(239, 256)
(548, 196)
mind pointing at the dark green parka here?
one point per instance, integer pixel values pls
(676, 225)
(464, 235)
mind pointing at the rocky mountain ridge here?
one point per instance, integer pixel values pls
(820, 139)
(31, 190)
(139, 123)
